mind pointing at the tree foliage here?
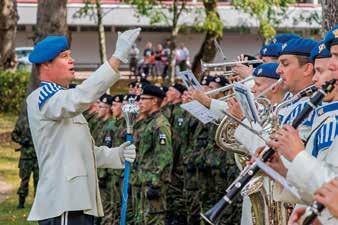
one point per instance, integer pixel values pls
(267, 12)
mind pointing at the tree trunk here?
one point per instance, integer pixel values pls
(8, 25)
(329, 14)
(102, 38)
(208, 49)
(51, 20)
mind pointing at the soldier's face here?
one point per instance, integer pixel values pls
(103, 110)
(61, 69)
(292, 72)
(333, 62)
(117, 109)
(146, 103)
(172, 94)
(261, 84)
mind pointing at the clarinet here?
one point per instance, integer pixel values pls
(214, 214)
(312, 212)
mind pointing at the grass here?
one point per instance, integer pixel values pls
(7, 122)
(9, 214)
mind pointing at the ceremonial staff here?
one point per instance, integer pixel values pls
(130, 111)
(214, 214)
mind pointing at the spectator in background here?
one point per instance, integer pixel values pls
(159, 61)
(133, 59)
(166, 56)
(148, 59)
(182, 57)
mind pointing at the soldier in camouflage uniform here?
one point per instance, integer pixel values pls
(154, 157)
(219, 169)
(139, 126)
(114, 132)
(98, 133)
(28, 163)
(176, 213)
(194, 162)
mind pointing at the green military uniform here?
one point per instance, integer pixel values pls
(139, 127)
(176, 206)
(28, 163)
(193, 160)
(116, 134)
(219, 172)
(167, 111)
(154, 166)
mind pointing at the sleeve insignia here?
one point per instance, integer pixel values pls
(163, 139)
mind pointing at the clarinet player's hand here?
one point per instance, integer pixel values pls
(287, 142)
(328, 196)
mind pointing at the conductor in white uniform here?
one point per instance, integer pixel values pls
(67, 192)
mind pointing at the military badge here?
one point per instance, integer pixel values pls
(104, 100)
(284, 46)
(218, 79)
(125, 98)
(321, 48)
(265, 50)
(204, 82)
(180, 121)
(117, 98)
(163, 139)
(260, 71)
(274, 40)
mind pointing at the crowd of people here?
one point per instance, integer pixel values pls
(155, 61)
(179, 171)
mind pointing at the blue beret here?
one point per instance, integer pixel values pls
(331, 38)
(153, 91)
(320, 51)
(283, 38)
(271, 50)
(300, 46)
(268, 70)
(48, 49)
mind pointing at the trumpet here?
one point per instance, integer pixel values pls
(228, 87)
(214, 214)
(206, 66)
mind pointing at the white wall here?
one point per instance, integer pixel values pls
(85, 44)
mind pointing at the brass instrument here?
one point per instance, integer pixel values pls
(208, 66)
(214, 214)
(228, 87)
(225, 132)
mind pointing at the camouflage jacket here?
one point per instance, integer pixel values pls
(155, 153)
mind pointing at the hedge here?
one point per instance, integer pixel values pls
(12, 90)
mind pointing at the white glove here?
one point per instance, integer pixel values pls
(127, 152)
(124, 42)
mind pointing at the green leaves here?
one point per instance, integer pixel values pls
(12, 90)
(267, 13)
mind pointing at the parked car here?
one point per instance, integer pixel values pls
(22, 54)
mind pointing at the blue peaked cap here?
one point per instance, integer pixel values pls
(271, 50)
(302, 47)
(320, 51)
(331, 37)
(268, 70)
(48, 49)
